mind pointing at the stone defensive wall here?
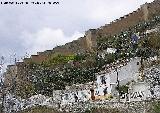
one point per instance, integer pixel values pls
(88, 42)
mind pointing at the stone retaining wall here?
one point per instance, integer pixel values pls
(128, 107)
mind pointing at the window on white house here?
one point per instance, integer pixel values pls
(97, 93)
(103, 80)
(84, 95)
(66, 97)
(105, 91)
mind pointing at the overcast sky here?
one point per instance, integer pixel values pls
(33, 28)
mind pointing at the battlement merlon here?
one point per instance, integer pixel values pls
(90, 31)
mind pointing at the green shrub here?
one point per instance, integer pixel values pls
(123, 89)
(156, 107)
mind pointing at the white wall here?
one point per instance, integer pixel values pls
(83, 95)
(101, 86)
(140, 91)
(125, 74)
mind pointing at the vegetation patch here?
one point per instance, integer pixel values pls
(103, 110)
(40, 109)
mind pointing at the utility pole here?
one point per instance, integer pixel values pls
(116, 57)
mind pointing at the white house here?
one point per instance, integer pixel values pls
(105, 84)
(111, 50)
(107, 51)
(151, 30)
(107, 81)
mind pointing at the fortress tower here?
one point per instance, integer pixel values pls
(145, 11)
(91, 39)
